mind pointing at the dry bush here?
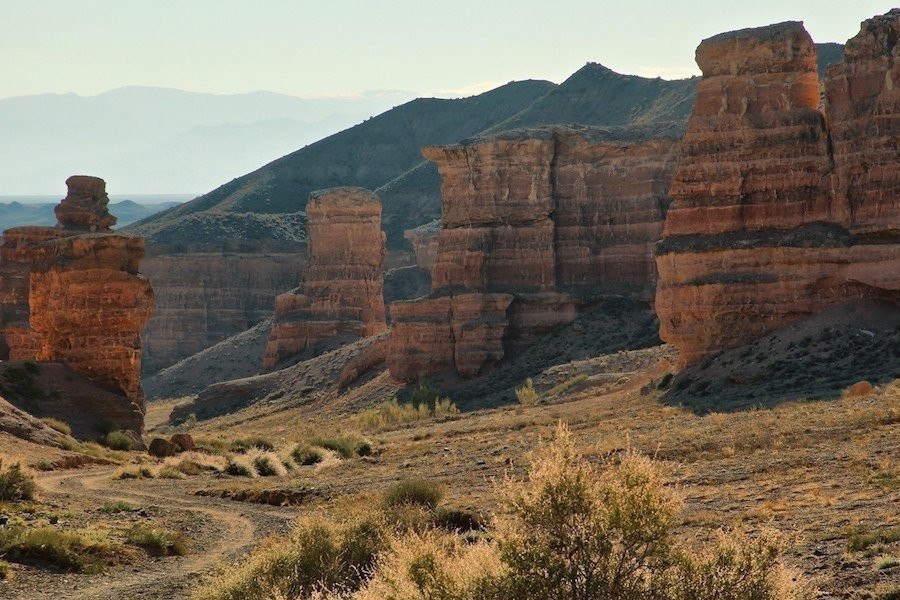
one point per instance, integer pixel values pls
(526, 395)
(434, 565)
(417, 491)
(16, 484)
(392, 412)
(57, 425)
(158, 541)
(318, 555)
(266, 464)
(80, 551)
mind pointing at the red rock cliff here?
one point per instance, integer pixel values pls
(341, 294)
(77, 297)
(533, 222)
(760, 232)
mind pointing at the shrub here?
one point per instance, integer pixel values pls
(44, 464)
(268, 465)
(239, 468)
(391, 412)
(418, 491)
(135, 473)
(526, 395)
(344, 446)
(189, 467)
(307, 455)
(170, 473)
(73, 551)
(16, 484)
(317, 555)
(116, 507)
(157, 541)
(244, 445)
(57, 425)
(117, 440)
(6, 571)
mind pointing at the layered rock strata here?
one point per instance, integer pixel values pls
(77, 297)
(424, 240)
(341, 294)
(203, 299)
(761, 231)
(533, 223)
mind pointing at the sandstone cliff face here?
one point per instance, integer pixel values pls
(341, 294)
(760, 232)
(88, 304)
(533, 223)
(424, 240)
(202, 299)
(862, 97)
(77, 297)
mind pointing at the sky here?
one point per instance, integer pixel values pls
(346, 47)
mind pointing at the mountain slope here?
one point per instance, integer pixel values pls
(14, 214)
(368, 155)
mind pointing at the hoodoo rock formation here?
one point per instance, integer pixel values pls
(534, 223)
(77, 297)
(767, 224)
(341, 294)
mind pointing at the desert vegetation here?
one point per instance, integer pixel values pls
(569, 528)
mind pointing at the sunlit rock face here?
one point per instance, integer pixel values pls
(74, 294)
(341, 294)
(534, 224)
(768, 224)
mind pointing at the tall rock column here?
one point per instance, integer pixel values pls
(760, 232)
(73, 293)
(341, 294)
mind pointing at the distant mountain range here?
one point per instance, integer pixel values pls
(156, 140)
(15, 214)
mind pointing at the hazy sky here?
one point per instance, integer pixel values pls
(331, 47)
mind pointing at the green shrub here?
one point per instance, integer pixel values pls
(56, 424)
(189, 467)
(268, 465)
(116, 507)
(65, 549)
(117, 440)
(526, 395)
(417, 491)
(862, 541)
(158, 541)
(44, 464)
(307, 455)
(244, 445)
(6, 571)
(16, 484)
(239, 468)
(344, 446)
(135, 473)
(170, 473)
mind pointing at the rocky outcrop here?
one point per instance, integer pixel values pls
(84, 209)
(424, 240)
(204, 299)
(341, 294)
(760, 232)
(77, 297)
(862, 97)
(534, 223)
(89, 304)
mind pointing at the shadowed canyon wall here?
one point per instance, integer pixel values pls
(341, 294)
(780, 210)
(534, 223)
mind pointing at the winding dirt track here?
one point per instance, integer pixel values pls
(229, 530)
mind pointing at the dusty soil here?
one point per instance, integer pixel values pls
(219, 532)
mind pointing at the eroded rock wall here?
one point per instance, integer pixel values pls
(534, 223)
(341, 294)
(202, 299)
(762, 230)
